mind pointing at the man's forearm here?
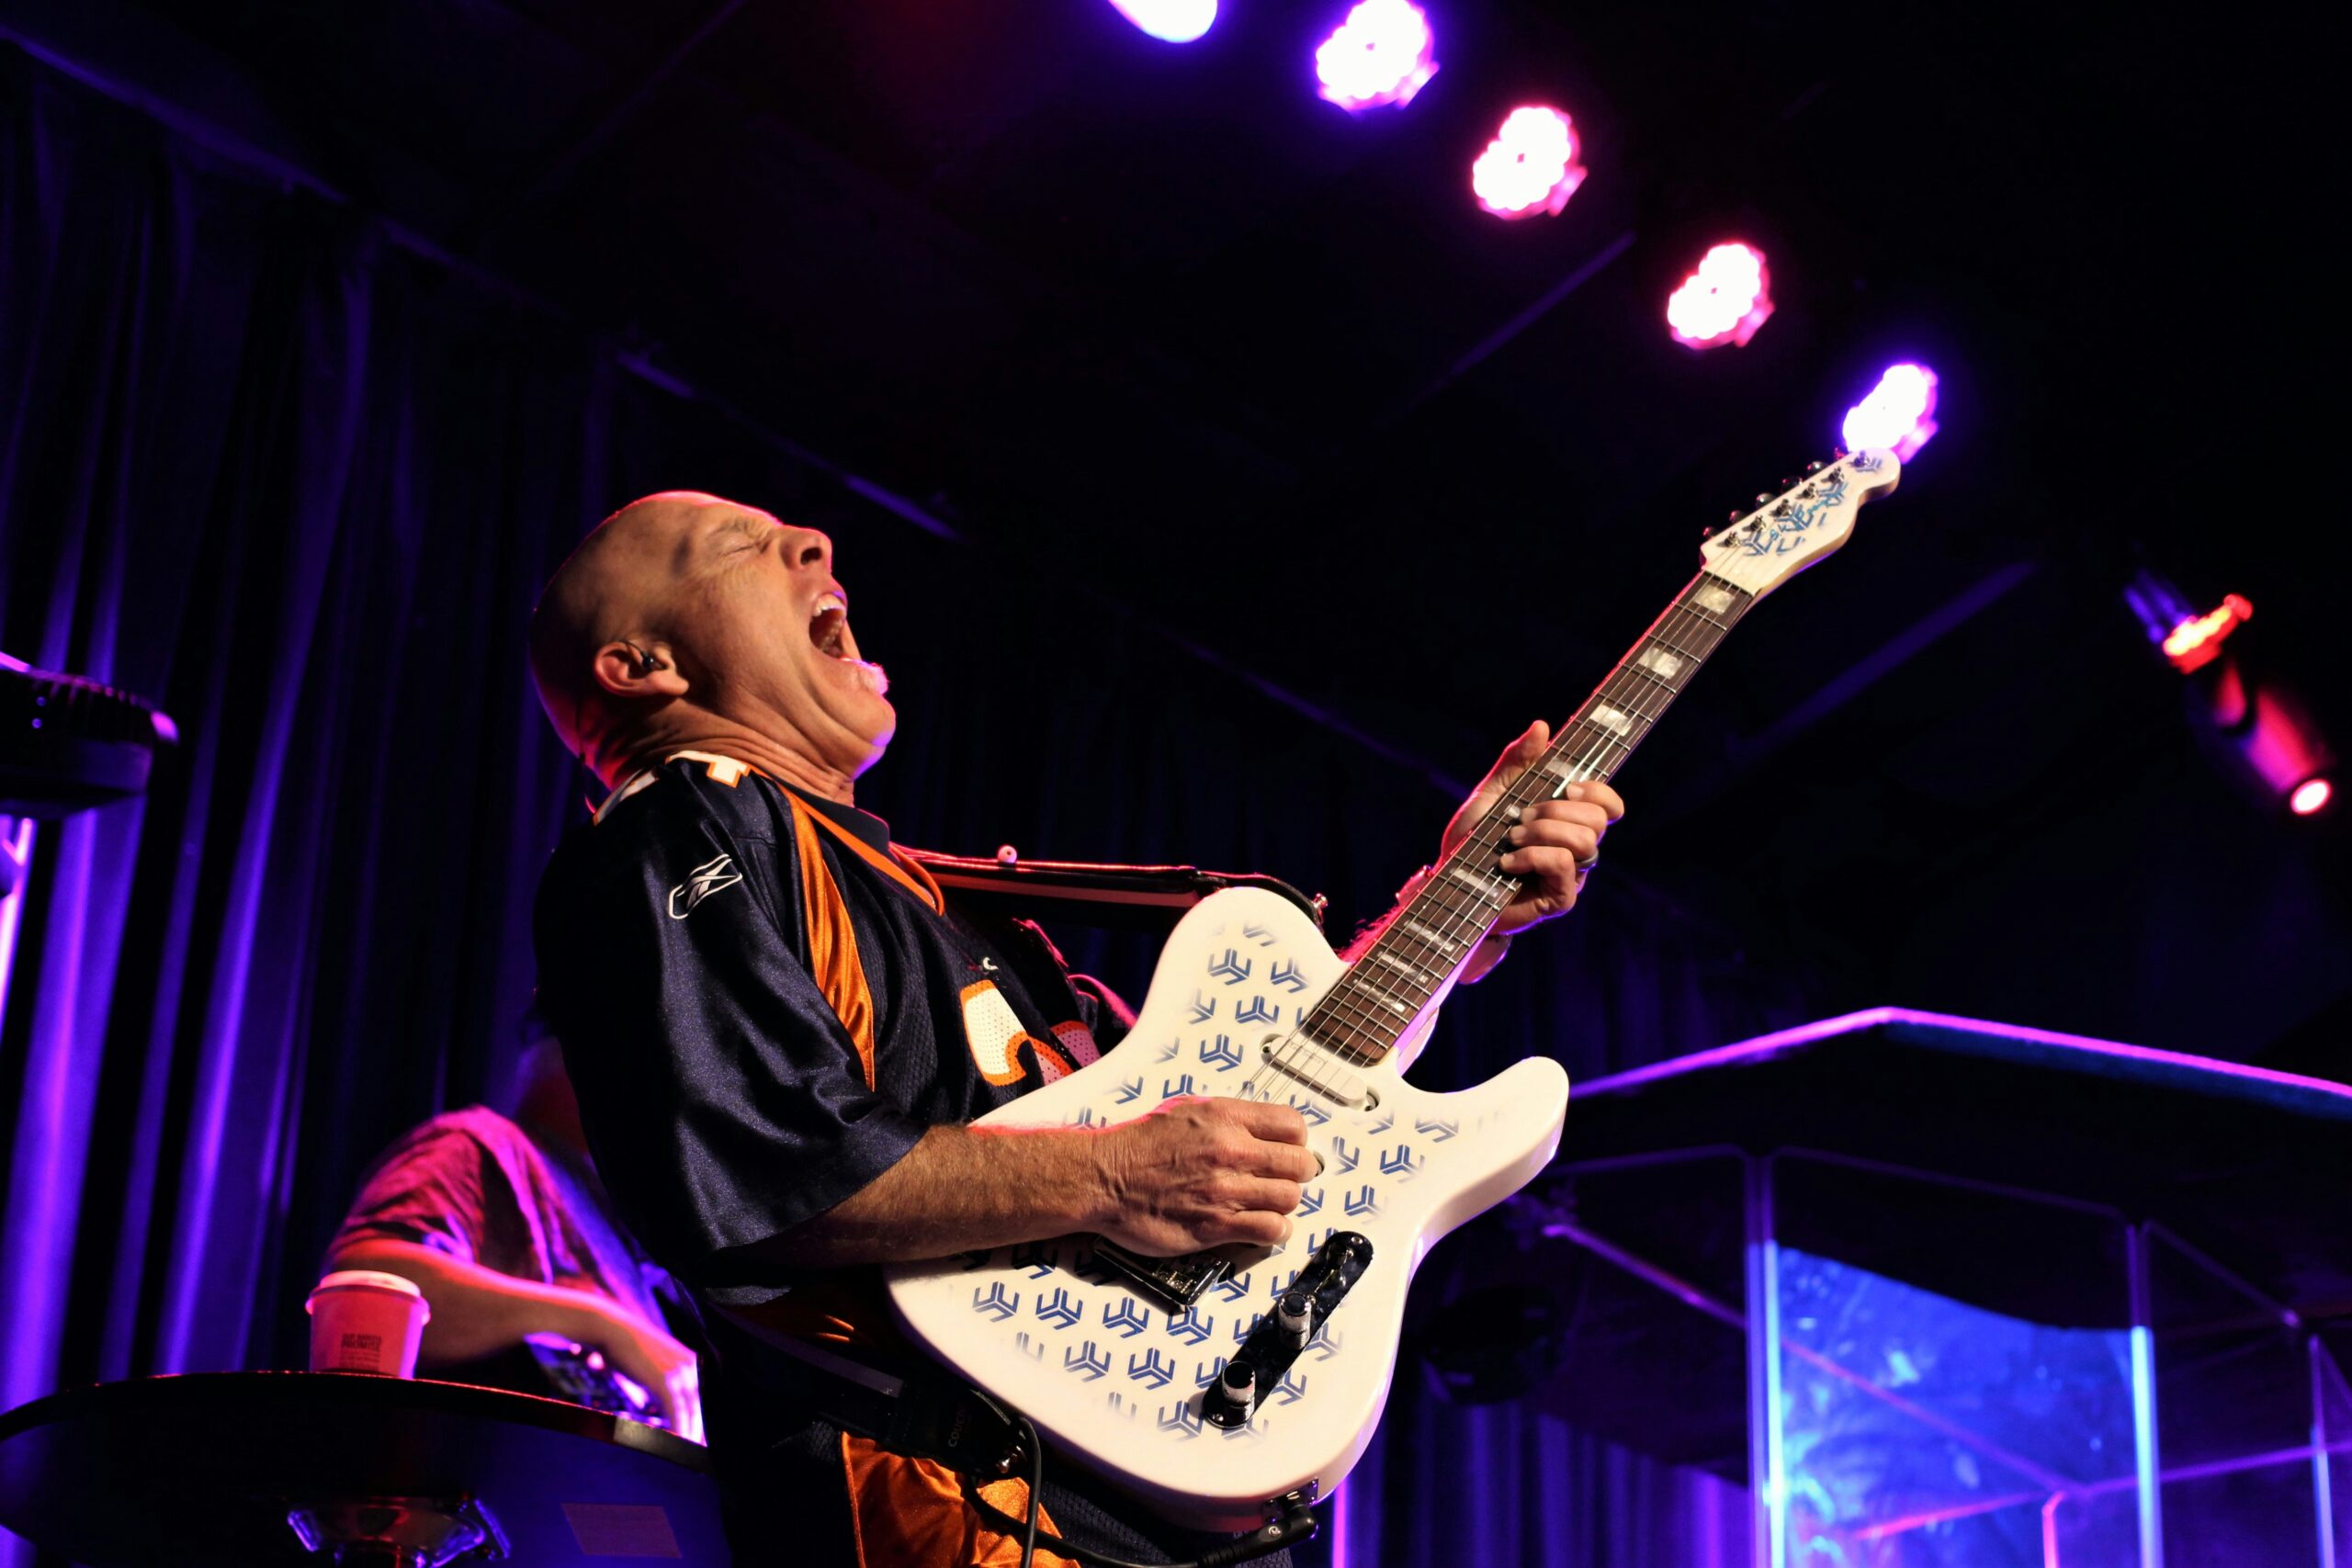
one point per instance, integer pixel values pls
(478, 1311)
(960, 1188)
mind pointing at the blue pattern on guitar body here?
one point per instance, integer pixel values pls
(1127, 1318)
(1103, 1333)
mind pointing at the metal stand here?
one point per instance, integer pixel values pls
(398, 1532)
(1949, 1266)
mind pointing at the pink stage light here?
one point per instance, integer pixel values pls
(2197, 640)
(1725, 302)
(1381, 53)
(1898, 413)
(1173, 21)
(1530, 165)
(2310, 795)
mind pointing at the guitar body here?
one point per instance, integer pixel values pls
(1246, 998)
(1117, 1383)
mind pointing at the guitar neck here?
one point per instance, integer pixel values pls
(1431, 935)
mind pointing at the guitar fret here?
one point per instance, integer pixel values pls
(1383, 995)
(1337, 1032)
(1371, 1032)
(1469, 879)
(1702, 631)
(1360, 1019)
(1609, 718)
(1448, 902)
(1426, 935)
(1638, 693)
(1566, 770)
(1683, 654)
(1654, 663)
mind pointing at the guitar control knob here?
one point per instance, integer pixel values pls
(1229, 1399)
(1295, 1316)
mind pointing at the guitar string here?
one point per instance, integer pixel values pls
(1642, 698)
(1647, 705)
(1647, 697)
(1347, 1005)
(1643, 702)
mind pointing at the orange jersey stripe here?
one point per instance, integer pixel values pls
(832, 942)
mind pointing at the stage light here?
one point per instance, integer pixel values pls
(1173, 21)
(1530, 165)
(1381, 53)
(2250, 718)
(2196, 640)
(1899, 412)
(1725, 302)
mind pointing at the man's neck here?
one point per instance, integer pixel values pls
(783, 763)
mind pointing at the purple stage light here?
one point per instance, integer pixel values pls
(2310, 795)
(1764, 1046)
(1898, 413)
(1173, 21)
(1530, 165)
(1725, 300)
(1381, 53)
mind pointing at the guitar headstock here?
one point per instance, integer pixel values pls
(1787, 533)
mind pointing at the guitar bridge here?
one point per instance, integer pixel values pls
(1174, 1283)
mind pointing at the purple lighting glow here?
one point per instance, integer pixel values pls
(1380, 54)
(1171, 21)
(1725, 302)
(1899, 412)
(1530, 165)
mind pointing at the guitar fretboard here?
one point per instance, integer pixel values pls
(1432, 934)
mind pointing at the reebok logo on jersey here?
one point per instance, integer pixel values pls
(711, 877)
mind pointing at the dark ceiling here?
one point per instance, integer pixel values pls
(1156, 323)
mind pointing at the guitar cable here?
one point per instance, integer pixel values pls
(1296, 1523)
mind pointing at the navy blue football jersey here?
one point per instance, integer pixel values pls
(763, 1007)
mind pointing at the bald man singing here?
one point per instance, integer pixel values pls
(769, 1014)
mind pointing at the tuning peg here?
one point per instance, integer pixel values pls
(1734, 515)
(1763, 501)
(1706, 534)
(1814, 467)
(1787, 483)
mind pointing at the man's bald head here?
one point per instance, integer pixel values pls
(616, 586)
(686, 618)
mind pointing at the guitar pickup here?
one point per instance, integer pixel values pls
(1316, 1074)
(1174, 1283)
(1264, 1357)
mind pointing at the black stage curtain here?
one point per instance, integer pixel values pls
(263, 462)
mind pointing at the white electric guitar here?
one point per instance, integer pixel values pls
(1217, 1385)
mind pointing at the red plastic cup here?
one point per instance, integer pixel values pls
(362, 1321)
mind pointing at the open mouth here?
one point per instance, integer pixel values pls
(829, 627)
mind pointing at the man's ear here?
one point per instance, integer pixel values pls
(639, 670)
